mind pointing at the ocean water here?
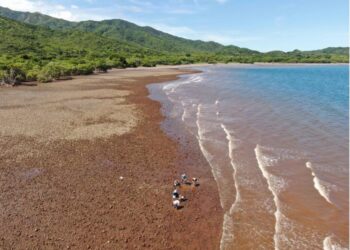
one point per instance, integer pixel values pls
(276, 139)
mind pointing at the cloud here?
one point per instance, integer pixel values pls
(182, 31)
(70, 13)
(65, 14)
(222, 37)
(221, 1)
(21, 5)
(55, 10)
(279, 21)
(180, 11)
(133, 9)
(119, 9)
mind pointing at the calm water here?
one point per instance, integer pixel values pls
(276, 138)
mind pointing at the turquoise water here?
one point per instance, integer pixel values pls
(276, 138)
(321, 92)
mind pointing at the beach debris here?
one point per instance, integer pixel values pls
(121, 178)
(176, 204)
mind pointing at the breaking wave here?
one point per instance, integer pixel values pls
(322, 188)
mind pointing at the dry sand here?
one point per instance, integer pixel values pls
(63, 147)
(79, 109)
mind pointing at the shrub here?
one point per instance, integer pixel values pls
(53, 69)
(44, 77)
(83, 69)
(13, 75)
(1, 76)
(133, 62)
(32, 74)
(147, 63)
(102, 66)
(49, 72)
(119, 62)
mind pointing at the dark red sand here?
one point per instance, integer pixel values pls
(70, 196)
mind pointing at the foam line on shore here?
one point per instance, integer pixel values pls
(329, 244)
(228, 236)
(206, 154)
(196, 78)
(268, 177)
(227, 226)
(184, 111)
(231, 146)
(321, 189)
(174, 85)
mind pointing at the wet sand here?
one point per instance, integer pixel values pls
(63, 147)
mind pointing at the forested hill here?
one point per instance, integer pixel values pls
(34, 46)
(126, 31)
(46, 44)
(35, 18)
(152, 38)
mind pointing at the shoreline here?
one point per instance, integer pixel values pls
(65, 193)
(180, 66)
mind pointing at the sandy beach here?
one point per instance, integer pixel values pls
(64, 146)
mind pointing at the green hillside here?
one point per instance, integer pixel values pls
(125, 31)
(19, 38)
(35, 18)
(331, 50)
(152, 38)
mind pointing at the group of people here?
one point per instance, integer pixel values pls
(177, 198)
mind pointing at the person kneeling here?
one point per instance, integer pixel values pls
(176, 204)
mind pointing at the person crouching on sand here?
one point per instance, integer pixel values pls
(182, 198)
(176, 204)
(195, 181)
(183, 178)
(175, 194)
(176, 183)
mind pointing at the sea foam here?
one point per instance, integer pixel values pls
(319, 185)
(171, 87)
(227, 231)
(184, 111)
(272, 183)
(330, 244)
(207, 155)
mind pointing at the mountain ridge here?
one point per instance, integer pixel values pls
(121, 29)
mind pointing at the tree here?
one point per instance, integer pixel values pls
(49, 72)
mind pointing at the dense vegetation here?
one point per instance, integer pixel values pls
(34, 46)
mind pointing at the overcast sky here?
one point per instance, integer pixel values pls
(256, 24)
